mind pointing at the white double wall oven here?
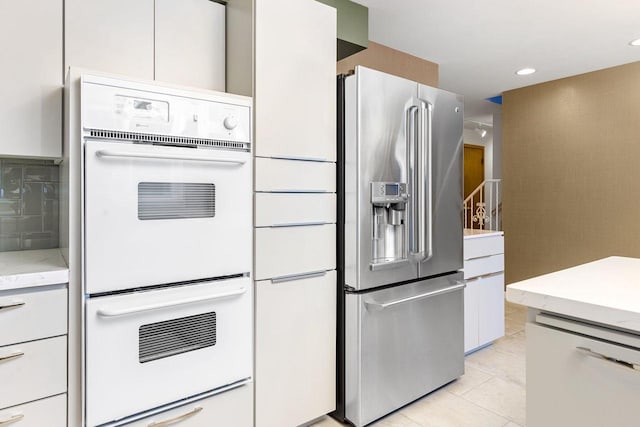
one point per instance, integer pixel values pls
(167, 246)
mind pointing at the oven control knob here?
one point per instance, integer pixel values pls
(230, 122)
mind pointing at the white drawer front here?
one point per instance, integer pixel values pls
(574, 380)
(32, 314)
(230, 408)
(482, 246)
(481, 266)
(285, 251)
(295, 350)
(295, 176)
(32, 370)
(50, 412)
(490, 308)
(286, 209)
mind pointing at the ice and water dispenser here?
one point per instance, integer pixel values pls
(389, 203)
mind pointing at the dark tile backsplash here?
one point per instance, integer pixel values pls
(28, 204)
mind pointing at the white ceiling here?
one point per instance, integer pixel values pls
(480, 44)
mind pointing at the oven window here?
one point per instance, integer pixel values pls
(176, 336)
(176, 200)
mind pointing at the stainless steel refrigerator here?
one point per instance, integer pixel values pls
(400, 227)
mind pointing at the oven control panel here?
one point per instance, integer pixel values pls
(110, 104)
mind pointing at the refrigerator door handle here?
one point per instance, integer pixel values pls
(426, 180)
(412, 181)
(374, 305)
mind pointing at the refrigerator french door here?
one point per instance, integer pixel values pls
(400, 242)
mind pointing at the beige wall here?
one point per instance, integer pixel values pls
(383, 58)
(571, 169)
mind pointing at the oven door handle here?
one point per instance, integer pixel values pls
(115, 312)
(125, 154)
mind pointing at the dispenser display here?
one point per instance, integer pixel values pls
(388, 209)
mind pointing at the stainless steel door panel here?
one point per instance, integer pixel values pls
(446, 181)
(376, 106)
(401, 343)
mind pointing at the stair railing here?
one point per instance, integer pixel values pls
(483, 207)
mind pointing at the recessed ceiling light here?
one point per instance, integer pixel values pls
(635, 42)
(526, 71)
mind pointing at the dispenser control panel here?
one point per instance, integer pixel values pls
(388, 192)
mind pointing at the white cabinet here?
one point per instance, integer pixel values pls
(295, 79)
(287, 251)
(31, 107)
(177, 41)
(50, 412)
(190, 43)
(33, 352)
(114, 36)
(295, 181)
(484, 294)
(574, 379)
(295, 350)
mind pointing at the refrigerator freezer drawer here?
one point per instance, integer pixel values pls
(287, 251)
(401, 343)
(295, 176)
(279, 209)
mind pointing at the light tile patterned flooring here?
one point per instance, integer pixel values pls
(491, 393)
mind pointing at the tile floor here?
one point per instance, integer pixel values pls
(491, 393)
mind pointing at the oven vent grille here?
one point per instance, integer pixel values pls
(180, 141)
(176, 336)
(176, 200)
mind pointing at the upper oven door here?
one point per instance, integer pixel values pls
(156, 215)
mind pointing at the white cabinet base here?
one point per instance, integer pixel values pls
(295, 350)
(568, 386)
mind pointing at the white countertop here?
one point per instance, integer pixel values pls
(606, 291)
(23, 269)
(470, 233)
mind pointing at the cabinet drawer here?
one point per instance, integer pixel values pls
(32, 370)
(569, 384)
(31, 314)
(295, 176)
(282, 209)
(50, 412)
(229, 408)
(285, 251)
(295, 350)
(483, 246)
(485, 265)
(490, 308)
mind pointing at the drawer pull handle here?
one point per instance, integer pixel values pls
(382, 306)
(609, 359)
(12, 305)
(13, 419)
(177, 419)
(300, 224)
(283, 279)
(11, 357)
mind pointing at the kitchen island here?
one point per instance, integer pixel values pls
(583, 344)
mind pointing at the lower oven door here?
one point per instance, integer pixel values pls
(147, 349)
(164, 214)
(400, 344)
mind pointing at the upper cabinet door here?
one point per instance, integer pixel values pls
(190, 43)
(113, 36)
(295, 80)
(31, 93)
